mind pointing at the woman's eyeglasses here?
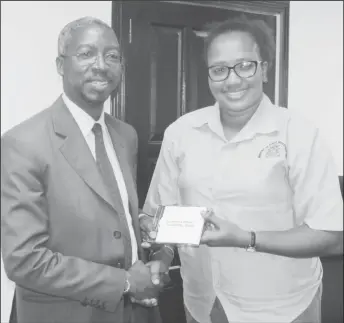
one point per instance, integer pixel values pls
(244, 69)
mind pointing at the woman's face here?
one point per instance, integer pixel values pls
(236, 93)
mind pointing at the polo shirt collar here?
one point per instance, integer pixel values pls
(263, 121)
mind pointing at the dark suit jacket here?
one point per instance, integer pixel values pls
(59, 224)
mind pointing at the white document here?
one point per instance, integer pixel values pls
(180, 225)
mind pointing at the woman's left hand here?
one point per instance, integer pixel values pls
(223, 232)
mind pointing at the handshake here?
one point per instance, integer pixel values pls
(146, 280)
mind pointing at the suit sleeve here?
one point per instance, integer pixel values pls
(25, 234)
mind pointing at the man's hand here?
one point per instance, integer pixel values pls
(141, 286)
(159, 277)
(223, 233)
(147, 230)
(159, 272)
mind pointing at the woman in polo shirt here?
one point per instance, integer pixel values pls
(271, 185)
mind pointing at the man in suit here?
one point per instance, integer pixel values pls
(70, 229)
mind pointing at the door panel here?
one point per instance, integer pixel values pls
(165, 78)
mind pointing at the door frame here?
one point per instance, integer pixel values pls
(278, 9)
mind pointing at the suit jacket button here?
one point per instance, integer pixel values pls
(117, 234)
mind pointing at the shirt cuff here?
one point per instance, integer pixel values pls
(141, 215)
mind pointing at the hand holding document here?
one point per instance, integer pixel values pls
(181, 225)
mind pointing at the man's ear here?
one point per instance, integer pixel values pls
(59, 65)
(265, 69)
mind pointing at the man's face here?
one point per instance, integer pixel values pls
(236, 93)
(91, 69)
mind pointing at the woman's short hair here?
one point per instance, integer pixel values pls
(258, 29)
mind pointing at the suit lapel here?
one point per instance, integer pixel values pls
(76, 151)
(121, 153)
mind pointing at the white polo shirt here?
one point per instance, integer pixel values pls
(274, 175)
(85, 123)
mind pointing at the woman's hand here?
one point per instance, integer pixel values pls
(223, 233)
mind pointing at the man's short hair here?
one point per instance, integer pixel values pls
(261, 33)
(65, 35)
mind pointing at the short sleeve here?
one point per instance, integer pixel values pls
(317, 198)
(163, 189)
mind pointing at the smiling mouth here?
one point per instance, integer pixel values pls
(99, 85)
(236, 95)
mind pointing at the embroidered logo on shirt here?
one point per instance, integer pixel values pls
(273, 150)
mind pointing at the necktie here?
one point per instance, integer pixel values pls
(108, 176)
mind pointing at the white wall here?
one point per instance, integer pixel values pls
(316, 68)
(29, 32)
(29, 81)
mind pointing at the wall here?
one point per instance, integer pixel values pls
(316, 68)
(29, 32)
(29, 81)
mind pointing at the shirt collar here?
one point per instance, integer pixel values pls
(264, 120)
(83, 119)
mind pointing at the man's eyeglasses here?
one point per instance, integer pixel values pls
(245, 69)
(89, 57)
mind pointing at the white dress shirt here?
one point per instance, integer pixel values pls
(86, 123)
(276, 174)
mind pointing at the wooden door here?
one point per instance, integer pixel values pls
(165, 77)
